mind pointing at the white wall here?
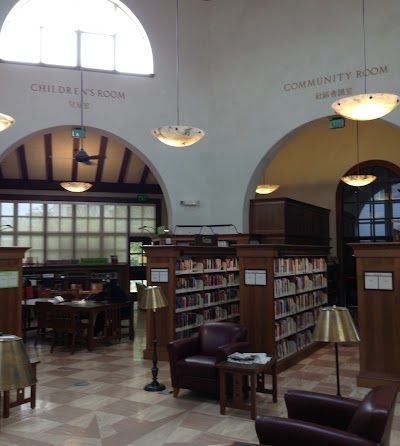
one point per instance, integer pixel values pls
(236, 58)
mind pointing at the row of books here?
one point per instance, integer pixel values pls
(214, 280)
(300, 284)
(215, 313)
(188, 282)
(302, 265)
(286, 347)
(232, 293)
(188, 265)
(186, 319)
(214, 296)
(232, 310)
(191, 300)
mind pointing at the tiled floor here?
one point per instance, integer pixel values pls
(97, 398)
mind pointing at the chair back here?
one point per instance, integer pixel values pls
(215, 334)
(373, 418)
(63, 320)
(43, 319)
(112, 322)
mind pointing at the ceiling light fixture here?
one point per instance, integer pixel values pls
(367, 106)
(178, 135)
(264, 188)
(76, 186)
(358, 180)
(5, 121)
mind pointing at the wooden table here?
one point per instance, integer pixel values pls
(90, 309)
(256, 373)
(87, 309)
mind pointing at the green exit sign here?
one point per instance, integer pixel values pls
(336, 123)
(142, 198)
(78, 133)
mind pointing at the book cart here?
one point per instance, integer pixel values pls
(201, 285)
(281, 309)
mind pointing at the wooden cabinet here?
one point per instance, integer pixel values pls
(202, 286)
(378, 286)
(11, 290)
(283, 220)
(61, 277)
(281, 313)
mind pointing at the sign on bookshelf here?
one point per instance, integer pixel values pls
(159, 275)
(255, 277)
(9, 279)
(378, 281)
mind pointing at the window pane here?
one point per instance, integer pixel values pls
(97, 51)
(7, 209)
(59, 47)
(396, 210)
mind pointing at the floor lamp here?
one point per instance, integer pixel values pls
(152, 298)
(335, 324)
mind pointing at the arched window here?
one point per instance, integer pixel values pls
(97, 34)
(366, 214)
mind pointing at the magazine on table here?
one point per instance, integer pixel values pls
(249, 358)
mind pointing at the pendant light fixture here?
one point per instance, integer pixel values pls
(367, 106)
(78, 186)
(5, 121)
(358, 179)
(178, 135)
(264, 188)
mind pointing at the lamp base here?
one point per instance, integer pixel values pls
(154, 387)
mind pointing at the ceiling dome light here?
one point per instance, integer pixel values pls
(358, 180)
(178, 136)
(264, 189)
(76, 186)
(365, 107)
(5, 121)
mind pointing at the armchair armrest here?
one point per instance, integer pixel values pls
(326, 410)
(182, 348)
(276, 431)
(225, 350)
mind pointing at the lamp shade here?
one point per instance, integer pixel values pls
(358, 180)
(178, 135)
(264, 189)
(16, 371)
(76, 186)
(365, 107)
(335, 324)
(5, 121)
(152, 298)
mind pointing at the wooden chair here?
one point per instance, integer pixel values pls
(112, 323)
(43, 320)
(66, 325)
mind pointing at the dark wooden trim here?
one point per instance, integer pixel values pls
(125, 164)
(48, 152)
(22, 162)
(102, 154)
(115, 188)
(145, 175)
(75, 147)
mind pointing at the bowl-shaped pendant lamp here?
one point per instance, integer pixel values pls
(76, 186)
(367, 106)
(178, 135)
(5, 121)
(264, 189)
(358, 180)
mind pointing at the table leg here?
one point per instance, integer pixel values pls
(222, 392)
(274, 384)
(253, 389)
(90, 331)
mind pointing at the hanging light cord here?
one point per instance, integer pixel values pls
(81, 139)
(358, 151)
(177, 60)
(365, 53)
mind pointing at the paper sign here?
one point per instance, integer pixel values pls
(255, 277)
(159, 275)
(8, 279)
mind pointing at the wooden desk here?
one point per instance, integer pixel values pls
(89, 309)
(20, 397)
(256, 374)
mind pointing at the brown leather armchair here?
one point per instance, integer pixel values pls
(192, 360)
(315, 419)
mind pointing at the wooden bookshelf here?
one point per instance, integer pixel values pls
(281, 314)
(202, 286)
(378, 314)
(11, 294)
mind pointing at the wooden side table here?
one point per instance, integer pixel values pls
(256, 374)
(20, 397)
